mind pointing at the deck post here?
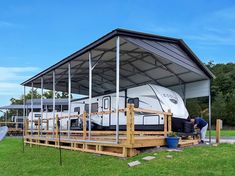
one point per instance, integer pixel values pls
(169, 118)
(209, 118)
(218, 126)
(84, 125)
(165, 124)
(31, 128)
(57, 127)
(130, 126)
(26, 126)
(117, 86)
(69, 97)
(53, 104)
(90, 93)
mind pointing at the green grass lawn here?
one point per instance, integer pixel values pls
(223, 133)
(204, 160)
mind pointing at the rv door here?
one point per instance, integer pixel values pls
(106, 106)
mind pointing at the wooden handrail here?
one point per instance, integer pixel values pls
(154, 112)
(130, 120)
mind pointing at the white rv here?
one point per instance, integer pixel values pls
(148, 96)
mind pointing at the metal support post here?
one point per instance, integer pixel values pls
(31, 109)
(53, 104)
(90, 93)
(117, 86)
(69, 98)
(40, 126)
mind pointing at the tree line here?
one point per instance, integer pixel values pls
(222, 95)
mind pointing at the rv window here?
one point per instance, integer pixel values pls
(106, 103)
(49, 108)
(94, 107)
(77, 109)
(134, 101)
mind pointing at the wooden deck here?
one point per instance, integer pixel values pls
(101, 142)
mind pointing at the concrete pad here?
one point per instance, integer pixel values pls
(148, 158)
(134, 163)
(169, 156)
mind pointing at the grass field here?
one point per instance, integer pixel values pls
(223, 133)
(204, 160)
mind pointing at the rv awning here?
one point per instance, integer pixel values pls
(18, 107)
(144, 58)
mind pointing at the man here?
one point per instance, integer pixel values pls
(202, 125)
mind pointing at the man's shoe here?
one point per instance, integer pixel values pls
(201, 142)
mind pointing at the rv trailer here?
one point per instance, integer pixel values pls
(149, 96)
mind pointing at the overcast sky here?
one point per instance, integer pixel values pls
(36, 34)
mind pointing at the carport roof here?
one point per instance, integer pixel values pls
(145, 58)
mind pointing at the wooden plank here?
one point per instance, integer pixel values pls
(57, 127)
(124, 151)
(165, 125)
(132, 116)
(109, 132)
(187, 142)
(26, 126)
(130, 126)
(218, 124)
(84, 126)
(169, 118)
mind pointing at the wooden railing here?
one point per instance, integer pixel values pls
(130, 122)
(13, 127)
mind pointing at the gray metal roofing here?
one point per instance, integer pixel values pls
(144, 58)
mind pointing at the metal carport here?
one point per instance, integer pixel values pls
(123, 59)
